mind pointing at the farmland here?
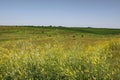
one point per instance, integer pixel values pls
(59, 53)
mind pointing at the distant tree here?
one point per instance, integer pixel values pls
(50, 26)
(42, 26)
(59, 26)
(89, 27)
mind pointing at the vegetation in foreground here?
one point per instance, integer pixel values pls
(32, 53)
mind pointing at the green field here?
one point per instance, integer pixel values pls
(59, 53)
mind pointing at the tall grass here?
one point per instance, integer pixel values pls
(25, 60)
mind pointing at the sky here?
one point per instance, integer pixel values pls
(71, 13)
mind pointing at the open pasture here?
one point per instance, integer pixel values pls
(59, 53)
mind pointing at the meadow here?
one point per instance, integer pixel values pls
(59, 53)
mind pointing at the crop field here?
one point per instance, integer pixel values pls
(59, 53)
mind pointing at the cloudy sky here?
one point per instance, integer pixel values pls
(72, 13)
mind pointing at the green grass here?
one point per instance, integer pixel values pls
(100, 31)
(59, 53)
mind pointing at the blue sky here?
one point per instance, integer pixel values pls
(78, 13)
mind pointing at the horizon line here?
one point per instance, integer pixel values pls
(63, 26)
